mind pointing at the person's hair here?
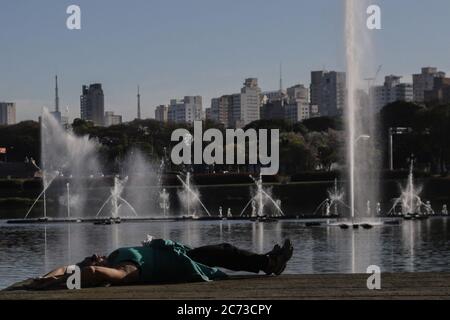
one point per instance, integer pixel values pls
(88, 262)
(83, 264)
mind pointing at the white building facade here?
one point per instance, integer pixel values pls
(112, 119)
(7, 113)
(161, 113)
(246, 106)
(392, 90)
(298, 93)
(186, 110)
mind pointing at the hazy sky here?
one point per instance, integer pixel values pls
(174, 48)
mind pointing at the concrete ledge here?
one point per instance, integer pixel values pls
(342, 286)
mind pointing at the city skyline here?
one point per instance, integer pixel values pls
(169, 62)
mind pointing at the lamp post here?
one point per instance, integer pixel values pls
(362, 137)
(392, 132)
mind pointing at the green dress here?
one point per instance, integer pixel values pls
(165, 261)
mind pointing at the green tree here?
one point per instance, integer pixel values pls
(282, 125)
(21, 140)
(322, 124)
(434, 126)
(295, 154)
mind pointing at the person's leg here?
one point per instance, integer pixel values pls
(56, 273)
(229, 257)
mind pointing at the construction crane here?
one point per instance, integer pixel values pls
(371, 81)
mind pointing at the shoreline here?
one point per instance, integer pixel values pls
(394, 286)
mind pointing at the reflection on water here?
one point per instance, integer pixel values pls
(30, 250)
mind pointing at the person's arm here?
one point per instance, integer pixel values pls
(58, 272)
(50, 279)
(90, 277)
(94, 276)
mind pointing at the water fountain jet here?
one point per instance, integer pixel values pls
(360, 120)
(332, 203)
(412, 206)
(164, 201)
(190, 195)
(116, 198)
(259, 199)
(46, 185)
(64, 152)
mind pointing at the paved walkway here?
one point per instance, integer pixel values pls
(394, 286)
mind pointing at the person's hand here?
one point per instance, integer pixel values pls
(94, 260)
(99, 260)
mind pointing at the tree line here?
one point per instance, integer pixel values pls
(315, 144)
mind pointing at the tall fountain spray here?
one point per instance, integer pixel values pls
(116, 192)
(164, 196)
(362, 158)
(144, 183)
(259, 196)
(66, 155)
(68, 200)
(190, 197)
(411, 195)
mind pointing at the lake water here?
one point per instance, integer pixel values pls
(414, 246)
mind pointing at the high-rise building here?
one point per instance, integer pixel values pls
(161, 113)
(425, 82)
(7, 113)
(208, 114)
(328, 92)
(314, 111)
(392, 90)
(194, 108)
(297, 112)
(187, 110)
(316, 87)
(298, 93)
(235, 111)
(176, 111)
(92, 102)
(405, 92)
(273, 110)
(112, 119)
(221, 109)
(440, 92)
(246, 105)
(273, 96)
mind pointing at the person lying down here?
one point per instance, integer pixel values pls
(164, 261)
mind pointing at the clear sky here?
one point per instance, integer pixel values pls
(174, 48)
